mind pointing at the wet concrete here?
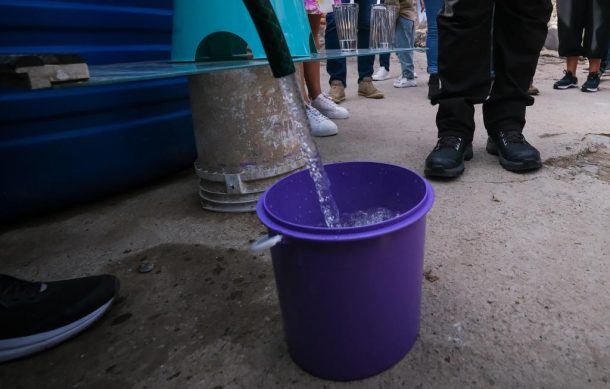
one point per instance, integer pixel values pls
(516, 274)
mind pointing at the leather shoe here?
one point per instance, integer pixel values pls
(514, 152)
(448, 156)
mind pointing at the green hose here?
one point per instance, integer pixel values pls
(272, 37)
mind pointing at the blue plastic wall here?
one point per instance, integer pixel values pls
(63, 146)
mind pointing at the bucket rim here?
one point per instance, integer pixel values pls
(403, 220)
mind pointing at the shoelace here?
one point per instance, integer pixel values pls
(13, 290)
(449, 141)
(315, 114)
(513, 137)
(327, 102)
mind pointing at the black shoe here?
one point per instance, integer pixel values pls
(37, 315)
(514, 152)
(603, 67)
(568, 81)
(448, 156)
(592, 83)
(434, 86)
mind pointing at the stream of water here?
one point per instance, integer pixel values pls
(332, 217)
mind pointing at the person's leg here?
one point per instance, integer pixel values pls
(366, 62)
(571, 15)
(383, 71)
(301, 76)
(572, 64)
(336, 68)
(405, 33)
(312, 69)
(384, 61)
(322, 103)
(464, 64)
(432, 9)
(597, 30)
(520, 29)
(595, 41)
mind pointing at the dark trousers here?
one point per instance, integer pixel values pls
(589, 16)
(384, 60)
(337, 68)
(473, 34)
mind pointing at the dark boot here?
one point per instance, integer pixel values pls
(434, 86)
(514, 152)
(448, 156)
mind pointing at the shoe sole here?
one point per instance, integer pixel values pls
(511, 165)
(382, 79)
(565, 87)
(588, 90)
(324, 134)
(23, 346)
(337, 100)
(453, 172)
(373, 96)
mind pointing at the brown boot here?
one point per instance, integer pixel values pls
(337, 91)
(367, 89)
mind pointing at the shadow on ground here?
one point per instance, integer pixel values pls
(194, 303)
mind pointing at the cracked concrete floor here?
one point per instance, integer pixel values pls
(517, 278)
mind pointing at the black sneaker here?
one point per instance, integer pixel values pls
(434, 86)
(592, 83)
(568, 81)
(448, 156)
(37, 315)
(514, 152)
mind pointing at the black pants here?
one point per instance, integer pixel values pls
(473, 34)
(590, 16)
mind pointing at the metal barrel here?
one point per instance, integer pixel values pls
(244, 137)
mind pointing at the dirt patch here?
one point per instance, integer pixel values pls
(593, 160)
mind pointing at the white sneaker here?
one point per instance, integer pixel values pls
(381, 74)
(320, 124)
(403, 82)
(329, 108)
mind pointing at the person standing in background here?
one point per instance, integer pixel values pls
(471, 33)
(432, 8)
(383, 71)
(337, 68)
(318, 107)
(405, 38)
(584, 30)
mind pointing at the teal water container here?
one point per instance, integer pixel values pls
(221, 30)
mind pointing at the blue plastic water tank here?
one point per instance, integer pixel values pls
(63, 146)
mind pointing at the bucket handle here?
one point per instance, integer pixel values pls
(266, 242)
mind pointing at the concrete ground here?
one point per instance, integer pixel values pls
(517, 283)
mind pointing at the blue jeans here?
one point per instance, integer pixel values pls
(337, 68)
(405, 37)
(432, 9)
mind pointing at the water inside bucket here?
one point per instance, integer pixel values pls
(369, 195)
(367, 217)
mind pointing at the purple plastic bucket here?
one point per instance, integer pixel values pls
(350, 297)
